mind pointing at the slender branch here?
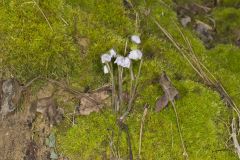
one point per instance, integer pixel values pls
(234, 137)
(185, 154)
(43, 14)
(141, 131)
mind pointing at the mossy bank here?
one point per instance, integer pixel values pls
(64, 40)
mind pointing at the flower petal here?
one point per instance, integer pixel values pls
(106, 58)
(135, 54)
(136, 39)
(105, 69)
(123, 61)
(113, 53)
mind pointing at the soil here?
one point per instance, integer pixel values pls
(16, 139)
(23, 131)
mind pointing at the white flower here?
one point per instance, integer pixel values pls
(106, 58)
(113, 53)
(135, 54)
(105, 69)
(136, 39)
(123, 61)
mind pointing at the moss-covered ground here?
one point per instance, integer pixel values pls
(64, 40)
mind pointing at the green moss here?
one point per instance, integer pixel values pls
(201, 115)
(227, 23)
(230, 3)
(30, 48)
(223, 61)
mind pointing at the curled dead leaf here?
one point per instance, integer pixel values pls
(170, 92)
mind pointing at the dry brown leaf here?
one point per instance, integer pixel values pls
(92, 104)
(170, 92)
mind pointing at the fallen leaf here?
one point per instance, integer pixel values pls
(161, 103)
(93, 102)
(170, 92)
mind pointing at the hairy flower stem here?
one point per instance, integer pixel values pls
(120, 79)
(110, 68)
(134, 84)
(134, 89)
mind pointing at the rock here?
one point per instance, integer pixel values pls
(48, 108)
(204, 31)
(10, 94)
(185, 21)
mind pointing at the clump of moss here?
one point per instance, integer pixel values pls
(30, 48)
(48, 38)
(201, 114)
(223, 61)
(230, 3)
(227, 24)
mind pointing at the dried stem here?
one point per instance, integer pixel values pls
(206, 76)
(234, 137)
(43, 15)
(141, 131)
(185, 154)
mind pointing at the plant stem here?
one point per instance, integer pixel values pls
(110, 68)
(132, 92)
(120, 75)
(135, 87)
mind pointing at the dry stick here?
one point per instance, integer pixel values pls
(214, 83)
(75, 92)
(195, 59)
(141, 130)
(184, 55)
(178, 124)
(43, 14)
(234, 137)
(211, 81)
(177, 46)
(185, 154)
(30, 82)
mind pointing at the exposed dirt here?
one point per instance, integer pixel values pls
(16, 139)
(24, 129)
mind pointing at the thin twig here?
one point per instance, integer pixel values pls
(185, 154)
(141, 130)
(204, 73)
(43, 14)
(234, 137)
